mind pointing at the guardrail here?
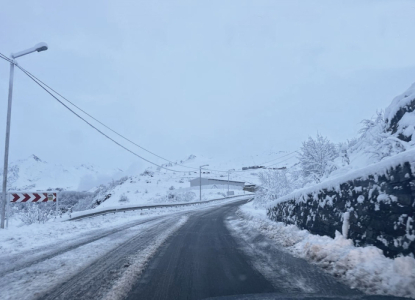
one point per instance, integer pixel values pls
(115, 210)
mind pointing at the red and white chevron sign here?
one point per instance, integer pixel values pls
(33, 197)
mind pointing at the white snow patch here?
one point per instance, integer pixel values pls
(346, 224)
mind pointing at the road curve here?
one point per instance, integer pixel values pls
(203, 260)
(200, 260)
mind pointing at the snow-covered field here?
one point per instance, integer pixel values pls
(363, 268)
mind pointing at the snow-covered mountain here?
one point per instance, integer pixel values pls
(152, 185)
(34, 174)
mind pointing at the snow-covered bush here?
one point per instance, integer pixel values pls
(123, 198)
(147, 173)
(177, 196)
(36, 213)
(316, 157)
(75, 200)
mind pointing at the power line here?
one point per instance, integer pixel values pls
(5, 57)
(102, 133)
(46, 87)
(289, 154)
(280, 162)
(92, 117)
(278, 158)
(40, 83)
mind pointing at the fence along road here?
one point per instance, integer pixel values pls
(115, 210)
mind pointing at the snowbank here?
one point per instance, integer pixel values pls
(364, 268)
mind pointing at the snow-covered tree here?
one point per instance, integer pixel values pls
(378, 140)
(274, 184)
(316, 157)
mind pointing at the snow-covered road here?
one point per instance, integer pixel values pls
(205, 259)
(31, 275)
(87, 257)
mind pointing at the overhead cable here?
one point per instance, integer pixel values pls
(98, 130)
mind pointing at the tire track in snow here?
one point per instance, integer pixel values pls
(115, 271)
(15, 262)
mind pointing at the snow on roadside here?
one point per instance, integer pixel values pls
(36, 279)
(29, 237)
(364, 268)
(19, 239)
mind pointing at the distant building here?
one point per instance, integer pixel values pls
(218, 183)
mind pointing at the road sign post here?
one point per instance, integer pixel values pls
(32, 197)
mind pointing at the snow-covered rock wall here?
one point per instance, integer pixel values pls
(375, 206)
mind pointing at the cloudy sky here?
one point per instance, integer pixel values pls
(218, 78)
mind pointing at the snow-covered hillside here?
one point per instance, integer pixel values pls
(34, 174)
(157, 185)
(153, 185)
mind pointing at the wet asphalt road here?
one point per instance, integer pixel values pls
(200, 260)
(203, 260)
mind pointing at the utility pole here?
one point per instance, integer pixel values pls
(229, 171)
(200, 181)
(39, 47)
(228, 181)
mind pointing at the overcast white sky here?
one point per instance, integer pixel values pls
(218, 78)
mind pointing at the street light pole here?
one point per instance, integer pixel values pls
(200, 181)
(229, 171)
(228, 181)
(6, 151)
(39, 47)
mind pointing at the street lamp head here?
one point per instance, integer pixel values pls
(203, 166)
(38, 47)
(41, 47)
